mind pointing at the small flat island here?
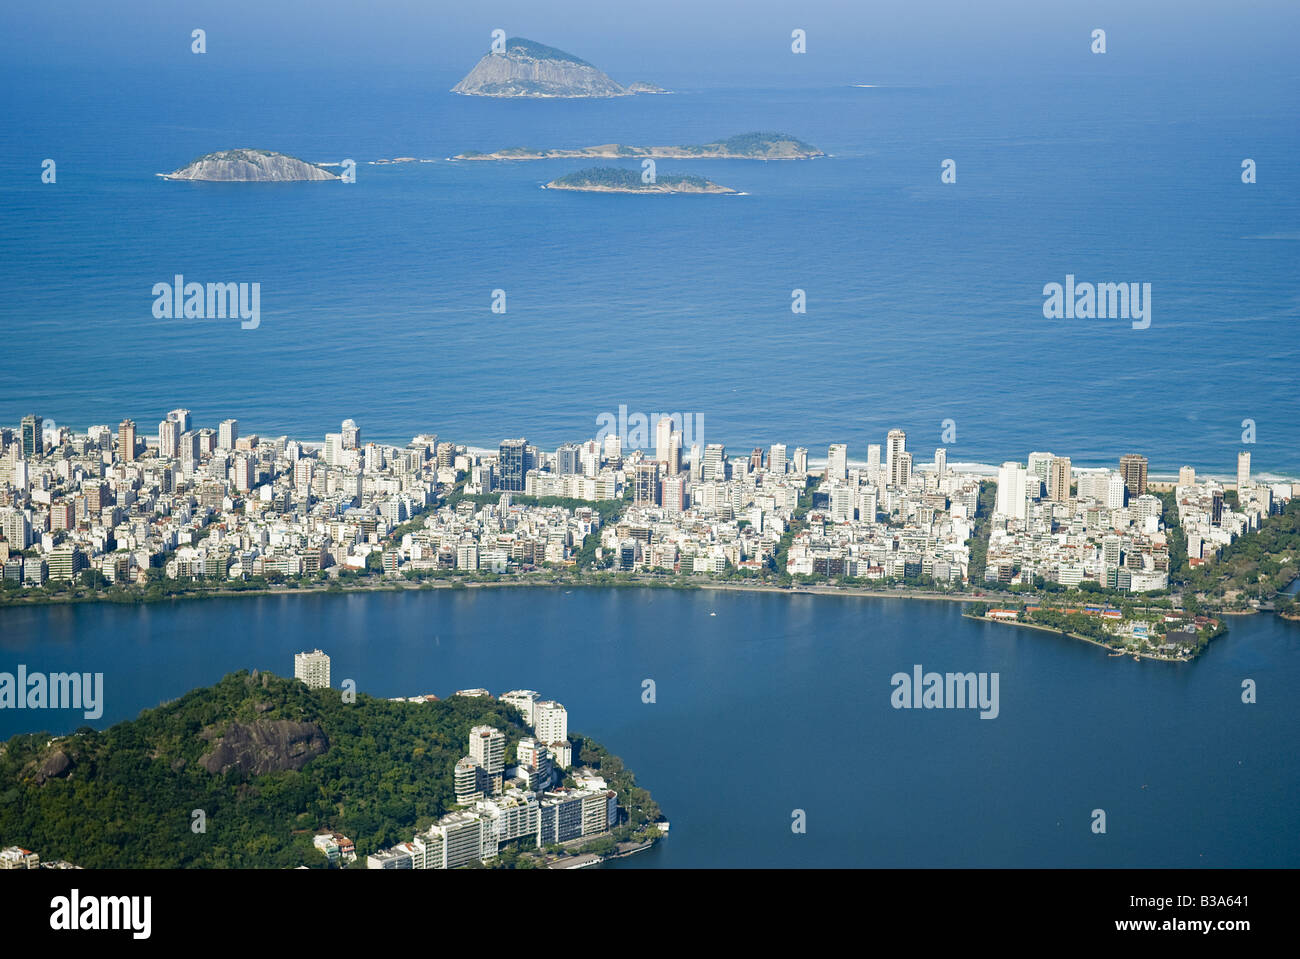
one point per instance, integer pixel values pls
(746, 146)
(618, 180)
(249, 166)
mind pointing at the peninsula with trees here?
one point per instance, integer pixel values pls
(259, 771)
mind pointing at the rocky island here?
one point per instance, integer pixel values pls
(528, 69)
(249, 166)
(746, 146)
(618, 180)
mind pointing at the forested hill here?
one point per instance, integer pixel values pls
(269, 761)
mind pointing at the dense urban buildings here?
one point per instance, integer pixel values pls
(529, 805)
(221, 505)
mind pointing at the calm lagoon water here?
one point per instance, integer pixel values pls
(782, 702)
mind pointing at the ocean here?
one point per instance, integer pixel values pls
(924, 299)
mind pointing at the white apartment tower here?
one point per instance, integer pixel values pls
(551, 722)
(663, 438)
(524, 700)
(169, 438)
(1040, 466)
(837, 462)
(895, 443)
(228, 434)
(776, 458)
(312, 668)
(1011, 490)
(487, 747)
(1115, 491)
(714, 467)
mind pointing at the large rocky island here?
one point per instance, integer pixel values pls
(249, 166)
(528, 69)
(618, 180)
(746, 146)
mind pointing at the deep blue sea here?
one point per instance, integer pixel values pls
(924, 299)
(782, 702)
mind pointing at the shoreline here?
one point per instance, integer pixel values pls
(549, 582)
(390, 586)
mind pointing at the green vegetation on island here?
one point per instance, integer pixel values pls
(745, 146)
(619, 180)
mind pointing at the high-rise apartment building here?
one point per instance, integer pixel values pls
(1115, 491)
(32, 440)
(646, 484)
(468, 781)
(895, 443)
(901, 472)
(523, 700)
(1058, 479)
(714, 466)
(663, 437)
(126, 440)
(551, 722)
(1243, 470)
(837, 461)
(567, 460)
(244, 473)
(169, 438)
(511, 465)
(312, 668)
(776, 458)
(1011, 490)
(1039, 468)
(673, 493)
(487, 747)
(228, 434)
(1133, 467)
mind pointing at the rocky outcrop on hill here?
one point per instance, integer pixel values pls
(56, 764)
(264, 746)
